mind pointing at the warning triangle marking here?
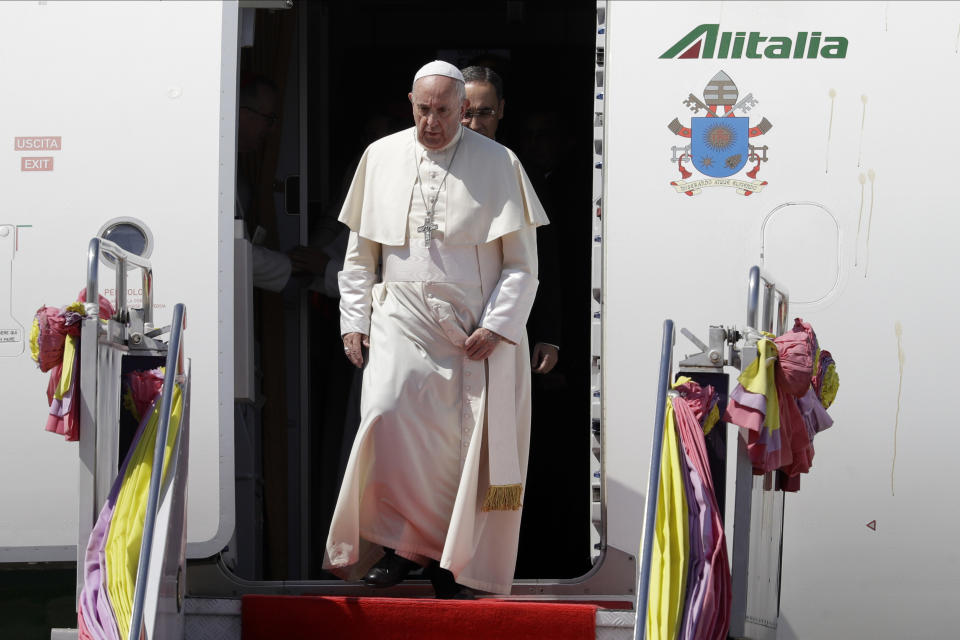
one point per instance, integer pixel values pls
(872, 525)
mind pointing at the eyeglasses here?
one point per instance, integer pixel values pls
(269, 117)
(486, 112)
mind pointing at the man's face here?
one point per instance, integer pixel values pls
(437, 110)
(485, 109)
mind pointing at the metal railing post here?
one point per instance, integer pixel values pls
(121, 289)
(759, 285)
(174, 366)
(753, 296)
(92, 305)
(653, 483)
(91, 434)
(147, 283)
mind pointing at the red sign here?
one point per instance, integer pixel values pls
(872, 525)
(37, 143)
(44, 163)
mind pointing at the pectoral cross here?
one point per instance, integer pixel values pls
(427, 229)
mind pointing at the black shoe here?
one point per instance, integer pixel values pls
(444, 585)
(391, 569)
(462, 593)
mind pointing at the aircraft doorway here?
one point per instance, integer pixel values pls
(345, 84)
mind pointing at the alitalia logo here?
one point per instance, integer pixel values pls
(706, 42)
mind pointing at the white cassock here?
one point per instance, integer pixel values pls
(438, 462)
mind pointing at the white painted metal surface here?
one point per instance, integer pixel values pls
(131, 93)
(877, 113)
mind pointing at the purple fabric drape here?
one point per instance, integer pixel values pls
(95, 607)
(707, 608)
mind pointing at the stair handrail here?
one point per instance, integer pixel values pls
(102, 247)
(758, 282)
(174, 368)
(653, 483)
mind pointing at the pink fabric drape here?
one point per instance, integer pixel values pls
(707, 607)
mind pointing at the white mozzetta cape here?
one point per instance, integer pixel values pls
(489, 192)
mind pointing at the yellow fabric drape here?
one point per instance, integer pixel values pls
(759, 378)
(831, 384)
(66, 374)
(671, 545)
(35, 340)
(712, 419)
(126, 527)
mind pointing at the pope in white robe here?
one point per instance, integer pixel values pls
(439, 278)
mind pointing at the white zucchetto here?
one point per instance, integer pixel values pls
(439, 68)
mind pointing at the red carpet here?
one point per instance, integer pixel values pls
(319, 617)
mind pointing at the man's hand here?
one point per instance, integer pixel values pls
(308, 260)
(481, 343)
(545, 357)
(351, 347)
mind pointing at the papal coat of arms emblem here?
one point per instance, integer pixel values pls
(719, 140)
